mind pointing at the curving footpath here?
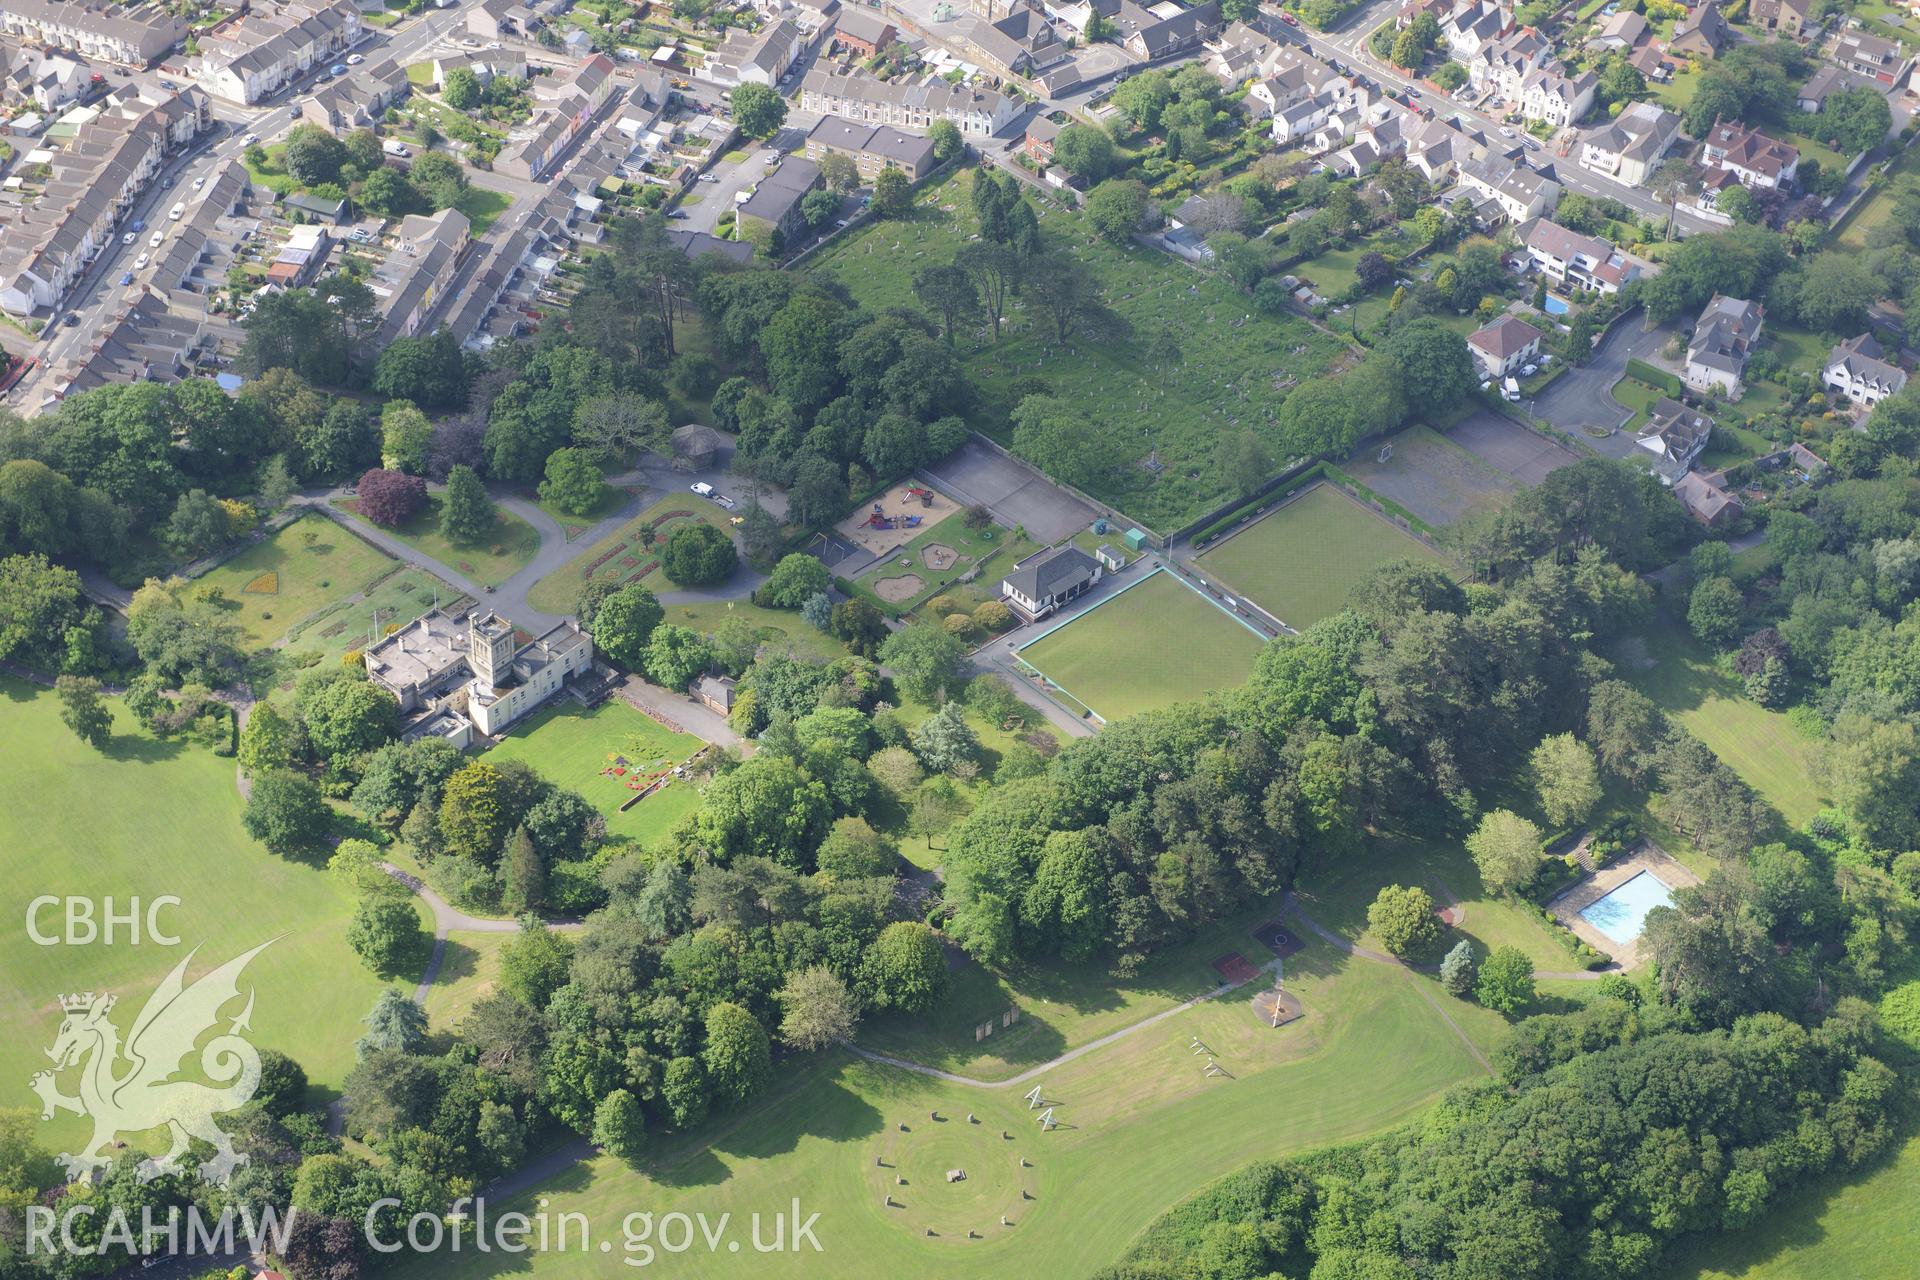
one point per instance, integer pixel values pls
(1292, 909)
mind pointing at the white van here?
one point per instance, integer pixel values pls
(178, 212)
(394, 147)
(702, 488)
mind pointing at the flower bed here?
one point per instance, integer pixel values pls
(267, 584)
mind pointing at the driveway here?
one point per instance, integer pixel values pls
(1583, 396)
(978, 474)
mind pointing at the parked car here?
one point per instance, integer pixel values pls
(707, 177)
(138, 224)
(337, 69)
(128, 238)
(70, 320)
(199, 183)
(354, 59)
(702, 488)
(1289, 19)
(168, 84)
(677, 214)
(126, 277)
(251, 138)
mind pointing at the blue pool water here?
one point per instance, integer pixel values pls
(1623, 913)
(1555, 305)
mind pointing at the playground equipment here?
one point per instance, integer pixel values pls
(923, 496)
(881, 520)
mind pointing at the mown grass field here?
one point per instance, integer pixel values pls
(780, 630)
(143, 819)
(1761, 746)
(273, 586)
(1140, 1129)
(569, 746)
(1828, 1231)
(1177, 413)
(469, 971)
(621, 556)
(1878, 206)
(490, 561)
(1154, 644)
(1303, 561)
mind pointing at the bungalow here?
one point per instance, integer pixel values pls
(1503, 347)
(1824, 83)
(1859, 370)
(1621, 33)
(1704, 33)
(1674, 435)
(1049, 580)
(1722, 340)
(716, 692)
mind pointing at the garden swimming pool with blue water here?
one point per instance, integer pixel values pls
(1622, 914)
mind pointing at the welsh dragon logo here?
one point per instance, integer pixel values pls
(128, 1089)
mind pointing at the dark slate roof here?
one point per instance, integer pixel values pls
(1050, 575)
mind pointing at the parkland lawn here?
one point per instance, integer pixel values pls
(490, 561)
(1173, 416)
(1829, 1230)
(1155, 643)
(1140, 1129)
(1302, 562)
(569, 746)
(1762, 746)
(143, 819)
(621, 556)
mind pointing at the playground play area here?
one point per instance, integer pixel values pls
(936, 558)
(895, 517)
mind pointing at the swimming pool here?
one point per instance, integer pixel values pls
(1555, 305)
(1622, 914)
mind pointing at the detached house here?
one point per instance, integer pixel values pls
(1049, 580)
(1787, 17)
(1504, 347)
(1870, 56)
(1674, 436)
(1576, 260)
(1704, 33)
(1722, 340)
(1630, 148)
(1472, 26)
(1520, 192)
(1859, 370)
(1751, 156)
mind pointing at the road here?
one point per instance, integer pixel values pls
(1583, 396)
(94, 299)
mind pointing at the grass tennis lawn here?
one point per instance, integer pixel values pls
(570, 746)
(621, 555)
(275, 586)
(1302, 562)
(143, 819)
(1140, 1128)
(1151, 645)
(490, 561)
